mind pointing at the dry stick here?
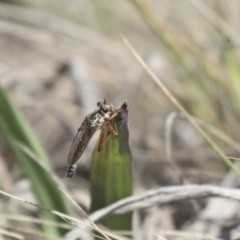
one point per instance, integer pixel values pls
(65, 217)
(179, 106)
(221, 135)
(11, 234)
(215, 131)
(172, 233)
(29, 230)
(23, 218)
(234, 158)
(84, 214)
(168, 194)
(186, 234)
(168, 147)
(160, 195)
(218, 133)
(61, 215)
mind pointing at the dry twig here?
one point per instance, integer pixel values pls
(161, 195)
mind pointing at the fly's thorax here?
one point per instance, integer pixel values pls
(100, 116)
(98, 119)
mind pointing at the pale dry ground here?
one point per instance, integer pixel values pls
(57, 62)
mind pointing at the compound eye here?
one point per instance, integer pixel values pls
(99, 104)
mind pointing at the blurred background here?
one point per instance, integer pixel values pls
(59, 58)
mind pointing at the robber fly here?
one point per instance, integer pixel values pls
(93, 122)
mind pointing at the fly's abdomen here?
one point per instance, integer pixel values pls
(71, 171)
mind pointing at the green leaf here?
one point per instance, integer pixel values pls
(111, 176)
(16, 129)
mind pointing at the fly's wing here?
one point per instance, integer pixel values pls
(80, 142)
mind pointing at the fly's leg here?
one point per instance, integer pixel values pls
(100, 143)
(112, 130)
(115, 128)
(113, 116)
(102, 140)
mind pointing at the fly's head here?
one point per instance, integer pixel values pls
(106, 109)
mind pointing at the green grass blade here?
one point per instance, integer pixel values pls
(15, 128)
(111, 177)
(234, 72)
